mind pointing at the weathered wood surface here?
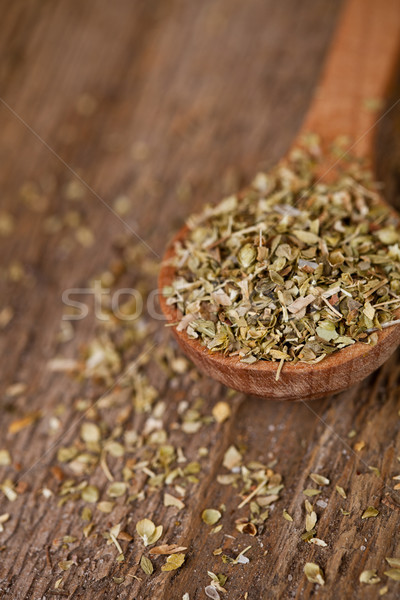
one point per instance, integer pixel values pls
(216, 90)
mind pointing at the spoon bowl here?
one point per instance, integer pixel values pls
(300, 381)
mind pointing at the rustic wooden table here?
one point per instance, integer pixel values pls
(166, 103)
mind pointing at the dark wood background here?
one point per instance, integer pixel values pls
(191, 99)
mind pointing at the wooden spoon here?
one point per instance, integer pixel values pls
(353, 85)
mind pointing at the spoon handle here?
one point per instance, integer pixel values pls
(362, 58)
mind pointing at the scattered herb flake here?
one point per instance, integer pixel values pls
(170, 500)
(311, 492)
(393, 574)
(314, 573)
(117, 489)
(5, 458)
(370, 577)
(393, 562)
(211, 516)
(90, 493)
(149, 533)
(221, 412)
(319, 479)
(66, 564)
(369, 512)
(173, 562)
(146, 565)
(341, 491)
(232, 458)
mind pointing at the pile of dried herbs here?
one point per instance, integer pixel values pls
(293, 268)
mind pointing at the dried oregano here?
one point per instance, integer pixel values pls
(369, 576)
(314, 573)
(319, 479)
(292, 269)
(369, 512)
(149, 533)
(211, 516)
(146, 565)
(173, 562)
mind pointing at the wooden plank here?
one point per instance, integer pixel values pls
(191, 100)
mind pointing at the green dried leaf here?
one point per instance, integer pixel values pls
(308, 506)
(148, 531)
(115, 449)
(369, 311)
(327, 331)
(287, 516)
(117, 489)
(388, 235)
(308, 535)
(306, 236)
(66, 454)
(221, 411)
(146, 565)
(170, 500)
(90, 432)
(145, 528)
(319, 479)
(314, 573)
(174, 561)
(105, 506)
(393, 574)
(341, 491)
(384, 590)
(370, 577)
(7, 487)
(86, 514)
(156, 535)
(393, 562)
(5, 458)
(311, 520)
(211, 516)
(311, 492)
(232, 458)
(66, 564)
(370, 512)
(247, 255)
(90, 493)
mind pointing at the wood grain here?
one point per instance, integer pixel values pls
(216, 90)
(357, 75)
